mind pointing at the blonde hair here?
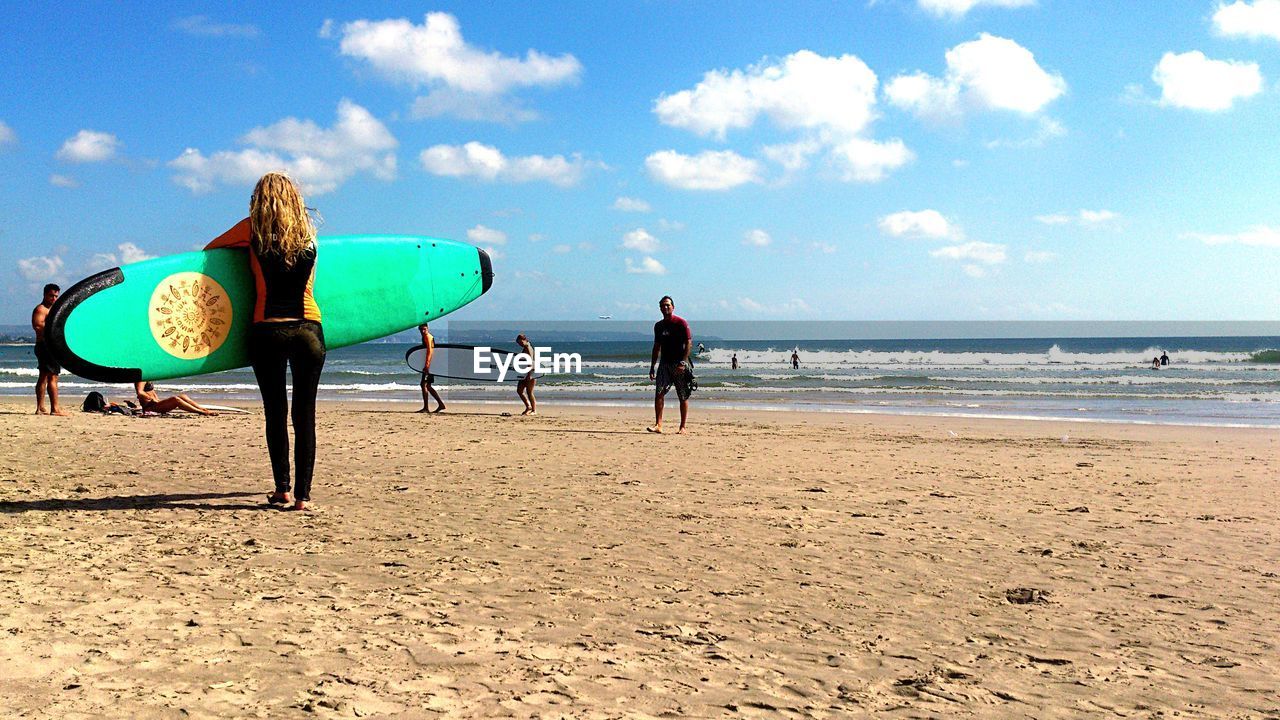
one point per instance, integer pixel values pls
(278, 216)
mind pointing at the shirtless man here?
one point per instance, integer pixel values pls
(428, 389)
(48, 366)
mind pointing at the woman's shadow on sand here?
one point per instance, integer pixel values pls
(162, 501)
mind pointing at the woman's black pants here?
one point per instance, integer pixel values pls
(300, 345)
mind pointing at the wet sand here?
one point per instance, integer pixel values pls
(571, 565)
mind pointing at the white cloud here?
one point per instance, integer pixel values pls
(958, 8)
(321, 159)
(41, 269)
(1039, 257)
(789, 307)
(562, 249)
(1085, 218)
(125, 253)
(130, 253)
(974, 271)
(863, 160)
(482, 235)
(1058, 219)
(708, 170)
(630, 204)
(1096, 217)
(488, 163)
(203, 26)
(1046, 129)
(823, 248)
(470, 106)
(1255, 20)
(793, 157)
(804, 90)
(829, 101)
(756, 238)
(990, 73)
(537, 237)
(1194, 82)
(647, 266)
(435, 54)
(89, 146)
(63, 181)
(980, 252)
(641, 241)
(7, 135)
(929, 224)
(1257, 236)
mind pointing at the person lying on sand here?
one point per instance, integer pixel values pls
(151, 402)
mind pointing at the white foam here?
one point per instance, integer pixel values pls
(1054, 355)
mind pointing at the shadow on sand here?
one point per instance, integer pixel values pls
(171, 501)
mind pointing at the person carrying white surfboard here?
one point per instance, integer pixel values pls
(286, 330)
(428, 390)
(524, 388)
(671, 341)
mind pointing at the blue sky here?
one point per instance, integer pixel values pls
(884, 160)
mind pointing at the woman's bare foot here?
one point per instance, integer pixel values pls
(302, 506)
(278, 498)
(423, 410)
(680, 431)
(439, 409)
(654, 429)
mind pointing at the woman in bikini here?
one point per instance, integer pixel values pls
(150, 401)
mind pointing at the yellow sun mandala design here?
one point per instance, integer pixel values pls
(190, 315)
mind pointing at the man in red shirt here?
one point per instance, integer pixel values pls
(670, 366)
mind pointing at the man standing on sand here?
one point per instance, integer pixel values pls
(48, 366)
(671, 341)
(429, 342)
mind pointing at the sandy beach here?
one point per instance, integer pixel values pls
(570, 565)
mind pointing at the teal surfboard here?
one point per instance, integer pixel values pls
(190, 314)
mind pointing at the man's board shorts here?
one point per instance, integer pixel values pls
(45, 360)
(428, 378)
(667, 378)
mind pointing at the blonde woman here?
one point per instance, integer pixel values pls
(281, 240)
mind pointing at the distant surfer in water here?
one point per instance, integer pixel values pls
(734, 361)
(286, 330)
(795, 359)
(429, 342)
(46, 364)
(669, 367)
(150, 401)
(524, 388)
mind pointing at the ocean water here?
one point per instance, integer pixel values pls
(1209, 381)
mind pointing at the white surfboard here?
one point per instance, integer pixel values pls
(225, 408)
